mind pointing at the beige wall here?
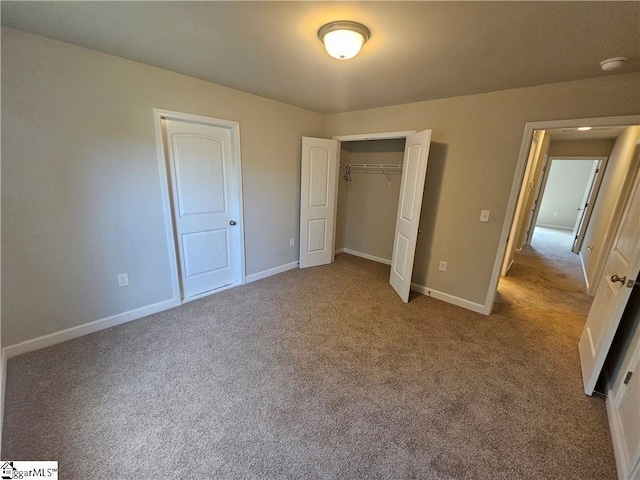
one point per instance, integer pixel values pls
(367, 205)
(81, 193)
(576, 148)
(623, 162)
(476, 142)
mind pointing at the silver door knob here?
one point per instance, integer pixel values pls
(232, 222)
(616, 278)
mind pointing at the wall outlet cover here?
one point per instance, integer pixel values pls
(123, 279)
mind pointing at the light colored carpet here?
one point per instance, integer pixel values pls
(317, 373)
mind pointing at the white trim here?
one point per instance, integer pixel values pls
(374, 136)
(3, 366)
(584, 272)
(366, 255)
(615, 427)
(234, 127)
(87, 328)
(555, 227)
(254, 277)
(513, 260)
(616, 436)
(340, 250)
(517, 180)
(166, 206)
(445, 297)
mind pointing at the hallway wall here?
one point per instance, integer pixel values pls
(623, 162)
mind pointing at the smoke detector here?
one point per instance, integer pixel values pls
(612, 63)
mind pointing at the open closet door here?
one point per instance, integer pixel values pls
(414, 170)
(318, 201)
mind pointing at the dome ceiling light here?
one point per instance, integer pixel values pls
(612, 63)
(343, 39)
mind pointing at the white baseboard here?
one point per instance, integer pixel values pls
(254, 277)
(365, 255)
(556, 227)
(510, 265)
(87, 328)
(3, 385)
(445, 297)
(616, 438)
(339, 251)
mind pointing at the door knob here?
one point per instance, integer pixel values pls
(616, 278)
(232, 222)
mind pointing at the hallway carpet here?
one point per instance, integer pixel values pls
(319, 373)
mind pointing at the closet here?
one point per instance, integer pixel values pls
(362, 194)
(368, 193)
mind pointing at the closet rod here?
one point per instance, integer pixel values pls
(379, 166)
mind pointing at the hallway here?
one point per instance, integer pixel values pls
(546, 282)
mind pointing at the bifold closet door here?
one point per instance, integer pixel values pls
(318, 200)
(414, 171)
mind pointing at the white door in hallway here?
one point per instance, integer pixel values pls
(414, 171)
(318, 200)
(587, 204)
(620, 273)
(205, 201)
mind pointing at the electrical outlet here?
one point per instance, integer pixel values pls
(123, 279)
(484, 215)
(443, 266)
(292, 242)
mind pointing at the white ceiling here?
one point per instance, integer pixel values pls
(596, 133)
(417, 51)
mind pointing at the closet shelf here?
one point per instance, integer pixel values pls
(387, 169)
(373, 166)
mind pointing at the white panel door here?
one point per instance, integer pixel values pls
(620, 272)
(318, 200)
(205, 206)
(414, 171)
(588, 202)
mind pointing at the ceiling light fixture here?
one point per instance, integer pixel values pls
(612, 63)
(584, 129)
(343, 39)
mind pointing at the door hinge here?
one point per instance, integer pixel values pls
(627, 378)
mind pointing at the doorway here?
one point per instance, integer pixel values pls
(200, 165)
(319, 194)
(515, 210)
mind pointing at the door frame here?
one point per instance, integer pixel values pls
(582, 223)
(532, 217)
(163, 166)
(597, 179)
(525, 146)
(512, 248)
